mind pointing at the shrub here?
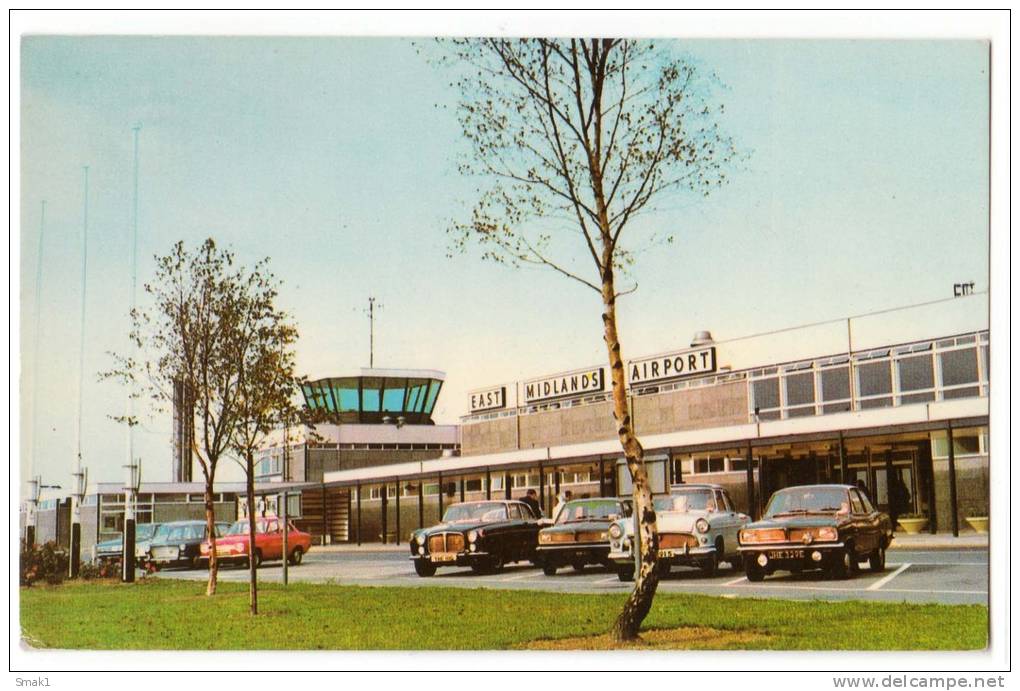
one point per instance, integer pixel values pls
(105, 569)
(46, 562)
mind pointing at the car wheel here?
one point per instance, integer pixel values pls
(877, 560)
(710, 566)
(497, 563)
(625, 573)
(258, 558)
(842, 564)
(424, 568)
(549, 569)
(295, 557)
(754, 572)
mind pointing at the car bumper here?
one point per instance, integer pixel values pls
(565, 554)
(793, 556)
(688, 556)
(459, 559)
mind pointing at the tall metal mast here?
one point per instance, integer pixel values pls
(132, 467)
(30, 514)
(372, 307)
(79, 485)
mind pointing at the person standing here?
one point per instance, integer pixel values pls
(561, 501)
(531, 499)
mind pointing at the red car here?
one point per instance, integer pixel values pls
(233, 546)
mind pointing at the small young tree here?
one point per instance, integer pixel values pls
(188, 336)
(264, 354)
(573, 140)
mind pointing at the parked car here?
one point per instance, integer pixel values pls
(580, 535)
(697, 526)
(178, 543)
(828, 527)
(232, 547)
(109, 550)
(484, 535)
(143, 540)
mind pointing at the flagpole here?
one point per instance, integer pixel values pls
(128, 559)
(30, 516)
(79, 489)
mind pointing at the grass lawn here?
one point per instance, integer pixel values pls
(156, 614)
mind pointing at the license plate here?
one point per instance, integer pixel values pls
(667, 553)
(444, 556)
(786, 554)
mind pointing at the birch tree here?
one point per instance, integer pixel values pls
(203, 316)
(264, 355)
(571, 142)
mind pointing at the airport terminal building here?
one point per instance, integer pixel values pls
(894, 400)
(898, 401)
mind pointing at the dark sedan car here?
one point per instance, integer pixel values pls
(827, 527)
(484, 535)
(178, 543)
(580, 535)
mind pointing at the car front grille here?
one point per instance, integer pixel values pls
(561, 537)
(446, 542)
(590, 536)
(164, 553)
(677, 540)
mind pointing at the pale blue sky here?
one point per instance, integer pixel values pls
(865, 188)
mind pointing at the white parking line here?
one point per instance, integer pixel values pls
(735, 580)
(878, 584)
(522, 576)
(940, 563)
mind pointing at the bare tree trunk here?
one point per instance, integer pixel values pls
(628, 623)
(210, 522)
(252, 570)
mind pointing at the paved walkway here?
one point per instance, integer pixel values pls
(967, 540)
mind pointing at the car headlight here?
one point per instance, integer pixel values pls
(615, 531)
(544, 537)
(420, 537)
(472, 535)
(183, 546)
(827, 533)
(701, 525)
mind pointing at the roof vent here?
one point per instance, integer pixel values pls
(702, 338)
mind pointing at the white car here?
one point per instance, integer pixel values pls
(697, 526)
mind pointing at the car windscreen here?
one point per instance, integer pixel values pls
(241, 527)
(589, 510)
(808, 500)
(695, 500)
(177, 533)
(483, 511)
(145, 531)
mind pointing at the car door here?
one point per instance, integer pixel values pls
(731, 522)
(727, 520)
(273, 540)
(871, 528)
(863, 533)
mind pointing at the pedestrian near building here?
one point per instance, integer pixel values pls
(531, 499)
(561, 500)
